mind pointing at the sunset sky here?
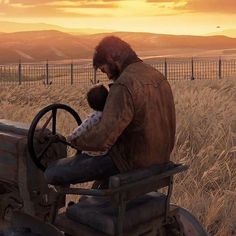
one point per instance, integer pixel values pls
(194, 17)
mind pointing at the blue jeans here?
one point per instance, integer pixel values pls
(80, 168)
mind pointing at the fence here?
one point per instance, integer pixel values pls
(173, 69)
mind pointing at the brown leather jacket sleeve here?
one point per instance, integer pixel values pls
(117, 114)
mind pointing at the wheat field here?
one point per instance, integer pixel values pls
(205, 140)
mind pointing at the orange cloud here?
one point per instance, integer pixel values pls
(47, 8)
(219, 6)
(56, 3)
(89, 8)
(208, 6)
(63, 2)
(102, 8)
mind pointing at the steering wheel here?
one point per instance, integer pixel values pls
(52, 137)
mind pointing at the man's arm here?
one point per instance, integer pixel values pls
(118, 113)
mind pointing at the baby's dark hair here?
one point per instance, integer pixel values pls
(96, 97)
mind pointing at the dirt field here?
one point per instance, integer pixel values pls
(205, 140)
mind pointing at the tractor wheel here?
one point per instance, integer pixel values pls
(188, 224)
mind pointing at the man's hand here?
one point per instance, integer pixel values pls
(69, 141)
(69, 138)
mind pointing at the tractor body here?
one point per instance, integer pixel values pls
(22, 184)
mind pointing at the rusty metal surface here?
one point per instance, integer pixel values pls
(9, 142)
(8, 167)
(8, 126)
(10, 135)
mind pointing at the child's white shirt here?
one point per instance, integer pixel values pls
(85, 126)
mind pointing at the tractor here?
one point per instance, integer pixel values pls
(134, 203)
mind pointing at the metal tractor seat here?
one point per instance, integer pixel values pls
(131, 203)
(99, 214)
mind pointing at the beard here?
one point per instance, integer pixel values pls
(114, 71)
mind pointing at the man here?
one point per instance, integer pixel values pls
(138, 120)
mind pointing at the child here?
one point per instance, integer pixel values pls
(96, 98)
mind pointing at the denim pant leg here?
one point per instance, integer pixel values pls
(80, 168)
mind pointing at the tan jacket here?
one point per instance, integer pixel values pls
(138, 122)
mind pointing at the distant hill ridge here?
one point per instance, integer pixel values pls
(33, 46)
(11, 27)
(228, 32)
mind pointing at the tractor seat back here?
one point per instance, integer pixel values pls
(135, 183)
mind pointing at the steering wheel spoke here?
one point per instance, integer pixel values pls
(53, 137)
(45, 126)
(54, 120)
(41, 154)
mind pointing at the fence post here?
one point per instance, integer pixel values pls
(220, 68)
(71, 73)
(165, 68)
(47, 76)
(19, 72)
(192, 69)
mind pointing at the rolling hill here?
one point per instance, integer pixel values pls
(228, 32)
(44, 45)
(12, 27)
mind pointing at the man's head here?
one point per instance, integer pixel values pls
(96, 97)
(112, 55)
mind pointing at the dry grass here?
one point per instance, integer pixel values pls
(205, 141)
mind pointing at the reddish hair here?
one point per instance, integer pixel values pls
(117, 49)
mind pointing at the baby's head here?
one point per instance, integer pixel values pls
(96, 97)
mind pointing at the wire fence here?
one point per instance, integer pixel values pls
(83, 74)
